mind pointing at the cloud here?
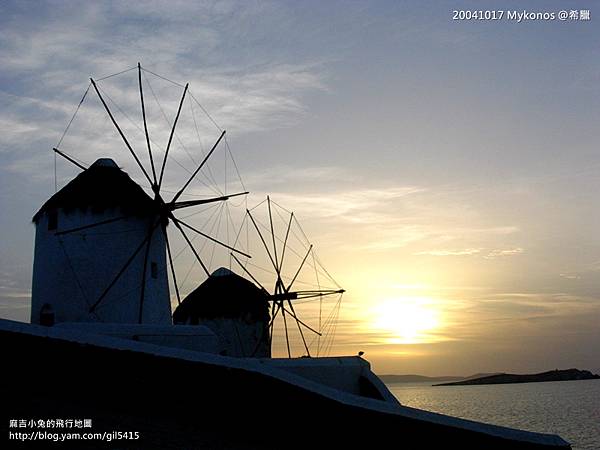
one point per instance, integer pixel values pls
(570, 276)
(491, 254)
(508, 317)
(586, 271)
(48, 54)
(351, 205)
(17, 128)
(500, 253)
(482, 315)
(380, 217)
(467, 251)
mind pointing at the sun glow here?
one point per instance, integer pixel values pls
(406, 320)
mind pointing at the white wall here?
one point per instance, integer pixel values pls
(72, 276)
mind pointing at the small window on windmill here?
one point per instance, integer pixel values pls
(52, 220)
(154, 270)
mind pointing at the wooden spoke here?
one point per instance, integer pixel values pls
(301, 323)
(68, 158)
(299, 327)
(177, 221)
(143, 290)
(123, 269)
(146, 126)
(287, 337)
(137, 160)
(171, 264)
(299, 268)
(198, 168)
(192, 247)
(248, 273)
(262, 239)
(178, 205)
(273, 238)
(92, 225)
(164, 163)
(287, 233)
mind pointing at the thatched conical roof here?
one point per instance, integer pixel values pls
(223, 294)
(101, 186)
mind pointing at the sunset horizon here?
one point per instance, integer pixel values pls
(222, 218)
(449, 190)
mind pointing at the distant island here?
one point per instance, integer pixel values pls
(414, 378)
(423, 378)
(506, 378)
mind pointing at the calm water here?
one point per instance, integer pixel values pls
(570, 409)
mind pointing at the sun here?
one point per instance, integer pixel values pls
(406, 320)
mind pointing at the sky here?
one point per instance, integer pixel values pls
(445, 171)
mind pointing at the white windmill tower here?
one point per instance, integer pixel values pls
(75, 263)
(102, 243)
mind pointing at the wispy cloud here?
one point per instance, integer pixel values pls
(420, 184)
(466, 251)
(383, 217)
(59, 47)
(500, 253)
(486, 253)
(570, 276)
(353, 205)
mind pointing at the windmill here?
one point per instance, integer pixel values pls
(286, 273)
(163, 210)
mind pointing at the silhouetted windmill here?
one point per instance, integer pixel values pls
(160, 212)
(163, 210)
(284, 292)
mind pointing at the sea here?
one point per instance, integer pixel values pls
(570, 409)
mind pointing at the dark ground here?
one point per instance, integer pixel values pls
(177, 404)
